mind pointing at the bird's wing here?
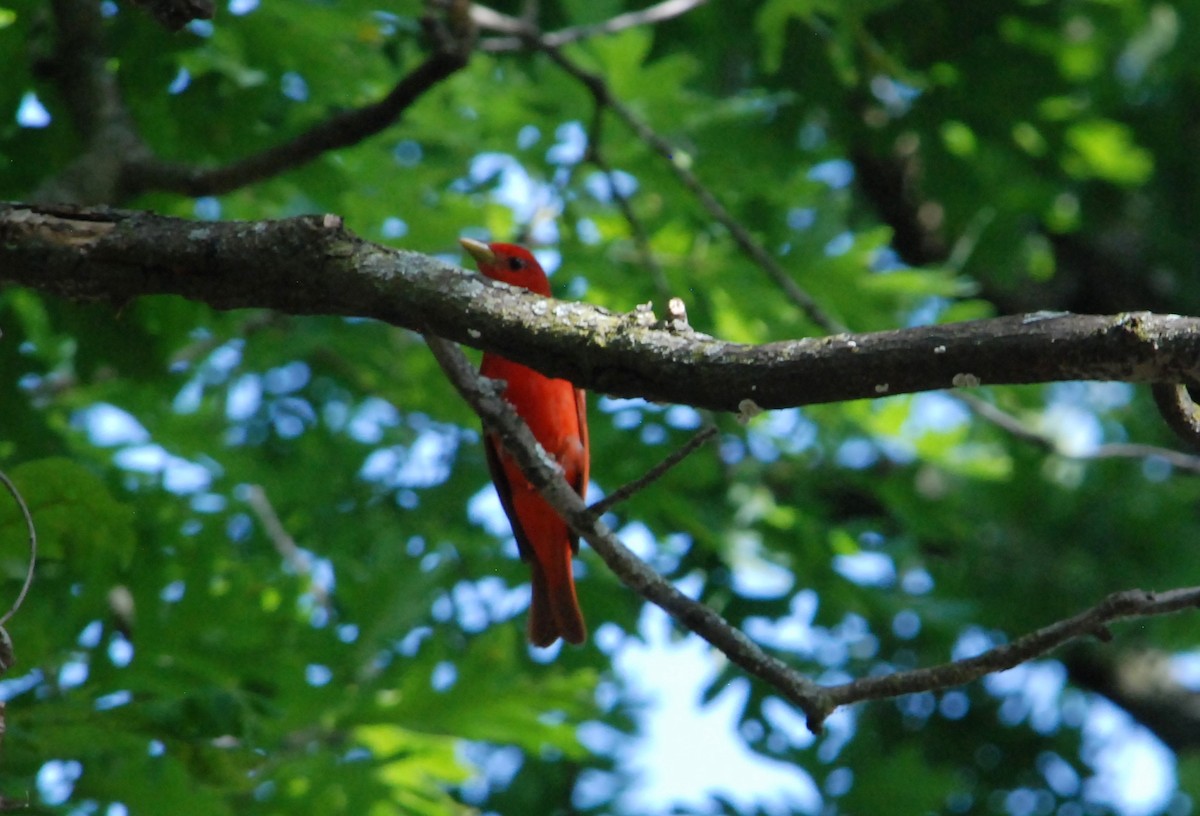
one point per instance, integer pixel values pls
(504, 490)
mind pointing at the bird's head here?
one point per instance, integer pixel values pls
(512, 264)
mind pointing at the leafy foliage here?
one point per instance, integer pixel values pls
(905, 161)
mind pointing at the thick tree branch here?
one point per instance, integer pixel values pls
(892, 185)
(312, 265)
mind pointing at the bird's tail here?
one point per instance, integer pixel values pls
(554, 609)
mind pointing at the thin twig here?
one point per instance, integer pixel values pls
(1132, 603)
(201, 348)
(283, 542)
(741, 236)
(637, 230)
(1114, 450)
(525, 34)
(16, 494)
(1129, 450)
(341, 130)
(625, 491)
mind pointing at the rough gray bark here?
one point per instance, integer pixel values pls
(313, 265)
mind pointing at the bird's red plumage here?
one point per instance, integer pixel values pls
(556, 413)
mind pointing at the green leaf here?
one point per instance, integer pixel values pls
(78, 520)
(1106, 150)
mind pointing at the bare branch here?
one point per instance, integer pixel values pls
(283, 542)
(118, 165)
(175, 14)
(815, 701)
(651, 15)
(625, 491)
(80, 71)
(499, 418)
(311, 265)
(1133, 603)
(1145, 684)
(33, 550)
(741, 236)
(488, 19)
(1113, 450)
(1179, 410)
(341, 130)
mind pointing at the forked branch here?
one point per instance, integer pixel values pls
(817, 702)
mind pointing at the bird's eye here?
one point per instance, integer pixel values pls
(516, 264)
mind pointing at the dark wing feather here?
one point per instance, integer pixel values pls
(581, 479)
(504, 490)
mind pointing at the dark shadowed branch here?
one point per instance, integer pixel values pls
(117, 164)
(1144, 682)
(1178, 409)
(175, 14)
(338, 131)
(79, 68)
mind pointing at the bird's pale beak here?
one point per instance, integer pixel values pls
(481, 252)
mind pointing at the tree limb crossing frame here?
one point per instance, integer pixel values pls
(314, 265)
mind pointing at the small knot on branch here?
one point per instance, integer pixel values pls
(643, 315)
(676, 320)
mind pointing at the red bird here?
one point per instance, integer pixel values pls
(556, 412)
